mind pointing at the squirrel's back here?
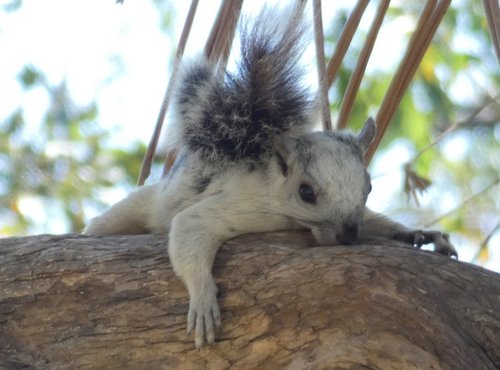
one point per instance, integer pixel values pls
(233, 117)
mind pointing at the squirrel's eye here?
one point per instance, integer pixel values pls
(307, 194)
(369, 188)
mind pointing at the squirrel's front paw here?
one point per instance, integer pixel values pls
(418, 238)
(441, 242)
(204, 315)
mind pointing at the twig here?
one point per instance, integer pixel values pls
(320, 64)
(225, 31)
(426, 28)
(209, 45)
(148, 157)
(455, 126)
(484, 243)
(413, 183)
(345, 40)
(492, 10)
(359, 70)
(228, 29)
(389, 103)
(495, 183)
(413, 45)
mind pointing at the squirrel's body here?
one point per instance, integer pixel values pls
(249, 162)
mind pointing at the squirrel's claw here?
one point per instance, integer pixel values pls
(204, 317)
(441, 241)
(442, 245)
(418, 239)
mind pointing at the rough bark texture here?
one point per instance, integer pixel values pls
(71, 302)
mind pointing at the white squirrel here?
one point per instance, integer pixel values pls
(249, 162)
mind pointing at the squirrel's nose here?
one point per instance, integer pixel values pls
(349, 233)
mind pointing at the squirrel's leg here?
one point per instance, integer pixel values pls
(195, 236)
(128, 216)
(376, 224)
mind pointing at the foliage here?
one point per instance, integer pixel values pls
(66, 162)
(63, 163)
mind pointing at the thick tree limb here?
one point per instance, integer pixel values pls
(71, 302)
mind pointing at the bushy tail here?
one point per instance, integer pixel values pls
(235, 118)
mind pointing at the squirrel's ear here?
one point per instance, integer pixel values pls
(283, 148)
(367, 134)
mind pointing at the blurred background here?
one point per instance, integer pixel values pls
(81, 84)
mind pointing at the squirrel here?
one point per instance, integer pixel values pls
(249, 161)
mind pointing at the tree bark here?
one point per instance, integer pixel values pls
(77, 302)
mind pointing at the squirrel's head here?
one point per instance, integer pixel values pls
(326, 182)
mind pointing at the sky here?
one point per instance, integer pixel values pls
(90, 43)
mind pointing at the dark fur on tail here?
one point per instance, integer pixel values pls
(232, 119)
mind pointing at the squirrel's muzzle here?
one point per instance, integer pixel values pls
(330, 234)
(349, 233)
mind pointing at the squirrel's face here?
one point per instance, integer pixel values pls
(326, 183)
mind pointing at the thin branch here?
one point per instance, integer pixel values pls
(414, 183)
(148, 157)
(424, 43)
(492, 10)
(450, 129)
(389, 102)
(222, 47)
(225, 30)
(413, 46)
(495, 183)
(209, 45)
(484, 243)
(359, 70)
(320, 64)
(345, 40)
(426, 28)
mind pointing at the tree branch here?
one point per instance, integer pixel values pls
(113, 302)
